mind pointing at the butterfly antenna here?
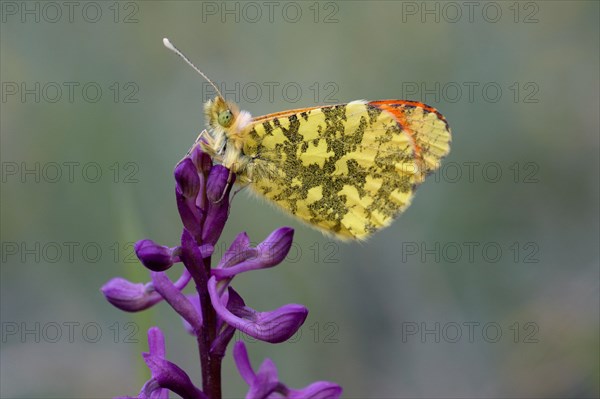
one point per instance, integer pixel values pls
(174, 49)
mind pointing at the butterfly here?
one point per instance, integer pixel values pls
(348, 170)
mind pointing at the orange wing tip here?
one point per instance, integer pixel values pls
(395, 107)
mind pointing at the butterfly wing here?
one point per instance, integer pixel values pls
(347, 169)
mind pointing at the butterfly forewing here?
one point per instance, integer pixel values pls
(347, 169)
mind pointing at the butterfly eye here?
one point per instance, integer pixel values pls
(225, 118)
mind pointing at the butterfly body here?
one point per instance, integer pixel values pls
(346, 169)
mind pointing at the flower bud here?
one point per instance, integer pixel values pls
(128, 296)
(155, 257)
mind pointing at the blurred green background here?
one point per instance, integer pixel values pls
(488, 286)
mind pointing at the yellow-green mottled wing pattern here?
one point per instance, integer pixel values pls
(347, 169)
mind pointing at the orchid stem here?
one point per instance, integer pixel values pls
(210, 363)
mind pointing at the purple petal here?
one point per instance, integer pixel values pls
(128, 296)
(183, 280)
(235, 303)
(156, 342)
(193, 258)
(156, 345)
(169, 375)
(269, 253)
(202, 160)
(274, 326)
(281, 324)
(242, 361)
(206, 250)
(187, 192)
(195, 301)
(155, 257)
(265, 382)
(191, 215)
(152, 390)
(219, 345)
(237, 252)
(186, 176)
(217, 187)
(216, 217)
(217, 191)
(316, 390)
(177, 300)
(203, 164)
(276, 246)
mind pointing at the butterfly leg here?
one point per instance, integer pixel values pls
(200, 136)
(227, 185)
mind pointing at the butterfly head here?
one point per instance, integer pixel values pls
(220, 114)
(224, 117)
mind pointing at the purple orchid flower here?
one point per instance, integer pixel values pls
(265, 383)
(166, 376)
(216, 310)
